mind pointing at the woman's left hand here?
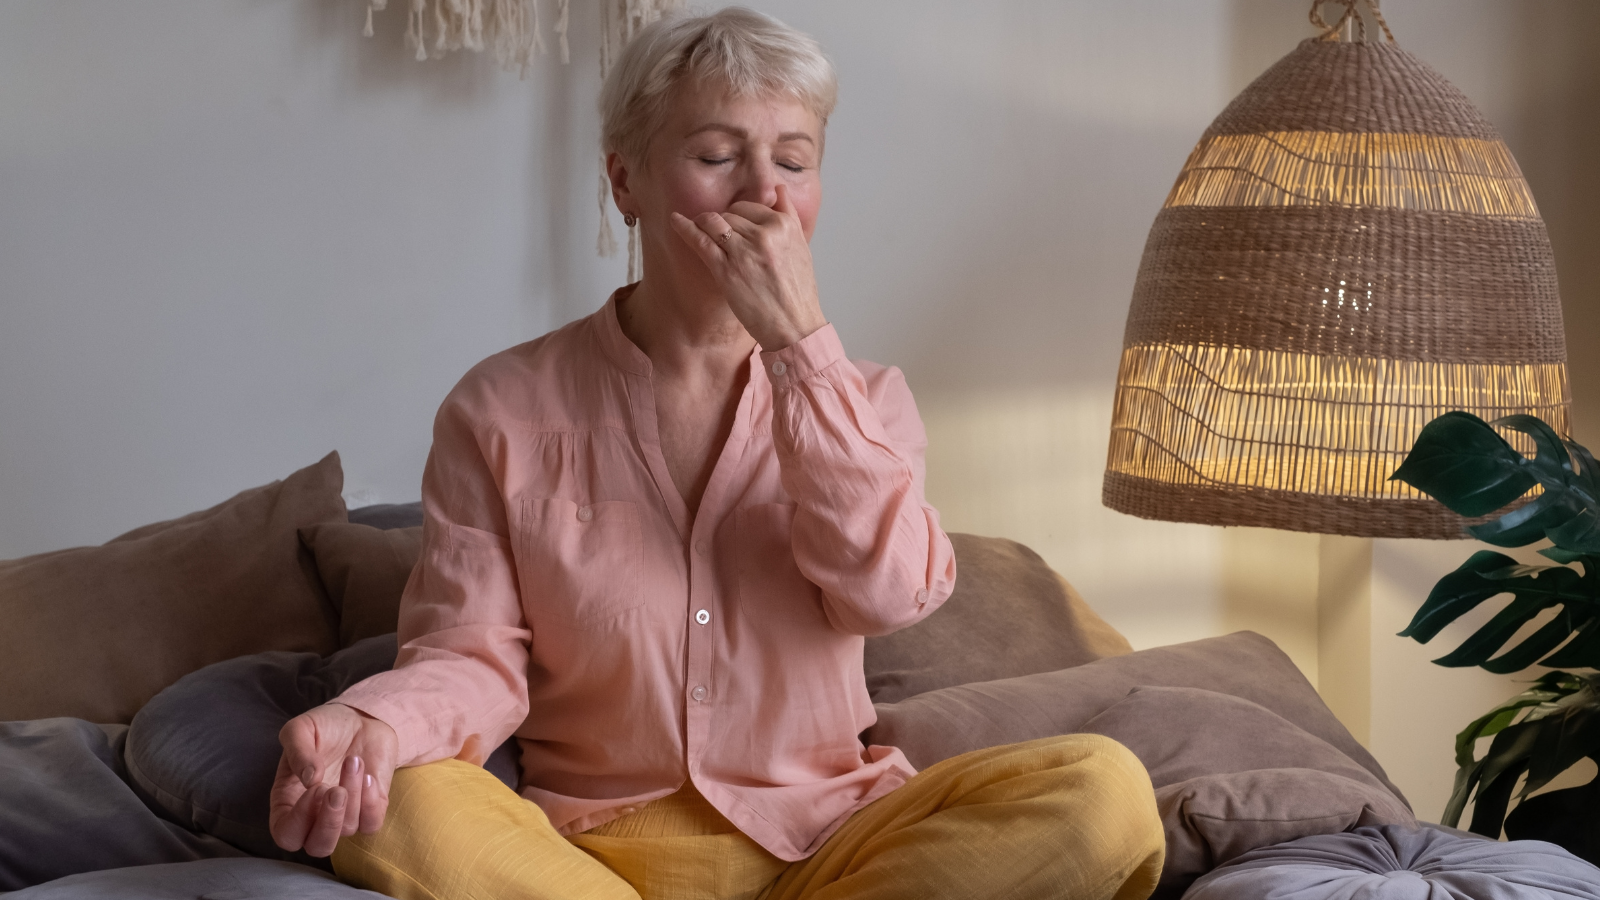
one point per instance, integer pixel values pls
(761, 260)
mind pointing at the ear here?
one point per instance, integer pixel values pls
(617, 173)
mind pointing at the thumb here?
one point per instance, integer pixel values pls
(782, 204)
(307, 751)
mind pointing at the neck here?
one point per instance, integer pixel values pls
(680, 320)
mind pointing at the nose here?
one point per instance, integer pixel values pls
(760, 183)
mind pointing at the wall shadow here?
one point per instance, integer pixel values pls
(1556, 137)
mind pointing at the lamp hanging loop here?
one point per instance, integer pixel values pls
(1352, 13)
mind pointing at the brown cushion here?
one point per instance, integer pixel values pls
(1232, 776)
(94, 632)
(1010, 615)
(365, 571)
(948, 722)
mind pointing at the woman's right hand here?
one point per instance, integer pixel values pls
(333, 778)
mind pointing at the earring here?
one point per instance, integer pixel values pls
(629, 219)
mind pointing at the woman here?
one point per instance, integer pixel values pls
(655, 541)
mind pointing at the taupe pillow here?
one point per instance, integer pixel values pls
(365, 571)
(94, 632)
(948, 722)
(1231, 776)
(1010, 615)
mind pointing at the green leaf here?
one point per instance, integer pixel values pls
(1459, 460)
(1564, 556)
(1487, 641)
(1582, 650)
(1528, 522)
(1457, 594)
(1552, 448)
(1580, 532)
(1549, 636)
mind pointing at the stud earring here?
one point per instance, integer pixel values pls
(629, 219)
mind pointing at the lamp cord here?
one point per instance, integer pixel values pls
(1351, 12)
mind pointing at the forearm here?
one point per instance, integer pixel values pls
(851, 458)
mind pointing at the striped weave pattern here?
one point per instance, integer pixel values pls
(1348, 252)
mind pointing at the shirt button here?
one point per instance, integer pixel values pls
(702, 617)
(699, 693)
(922, 596)
(702, 547)
(778, 368)
(585, 513)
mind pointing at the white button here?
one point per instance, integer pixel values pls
(585, 513)
(922, 596)
(702, 617)
(778, 368)
(699, 692)
(702, 547)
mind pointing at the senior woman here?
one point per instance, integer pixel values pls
(655, 540)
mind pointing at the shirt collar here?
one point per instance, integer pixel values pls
(623, 353)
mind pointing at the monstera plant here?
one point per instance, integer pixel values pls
(1464, 463)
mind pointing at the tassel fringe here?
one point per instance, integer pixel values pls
(511, 28)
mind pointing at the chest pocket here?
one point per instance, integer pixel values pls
(580, 564)
(771, 587)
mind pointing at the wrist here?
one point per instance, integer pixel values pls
(790, 334)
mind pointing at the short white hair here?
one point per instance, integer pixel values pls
(751, 53)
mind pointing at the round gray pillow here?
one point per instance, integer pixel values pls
(205, 750)
(1393, 862)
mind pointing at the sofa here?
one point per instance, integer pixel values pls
(143, 682)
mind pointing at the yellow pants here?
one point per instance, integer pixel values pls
(1063, 818)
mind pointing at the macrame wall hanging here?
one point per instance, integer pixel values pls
(512, 30)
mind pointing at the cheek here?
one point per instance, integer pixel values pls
(691, 192)
(807, 205)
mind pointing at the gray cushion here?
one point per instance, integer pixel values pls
(212, 879)
(64, 807)
(1393, 862)
(940, 724)
(206, 749)
(1010, 615)
(385, 516)
(1232, 776)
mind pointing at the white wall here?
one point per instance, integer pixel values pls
(235, 235)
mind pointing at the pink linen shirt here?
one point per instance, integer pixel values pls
(565, 595)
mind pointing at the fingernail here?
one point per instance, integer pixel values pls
(336, 799)
(308, 776)
(369, 781)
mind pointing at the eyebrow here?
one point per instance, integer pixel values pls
(743, 135)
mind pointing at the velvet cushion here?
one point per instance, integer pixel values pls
(64, 807)
(212, 879)
(948, 722)
(1010, 614)
(206, 749)
(364, 570)
(1399, 863)
(1232, 776)
(94, 632)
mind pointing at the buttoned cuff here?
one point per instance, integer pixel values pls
(803, 358)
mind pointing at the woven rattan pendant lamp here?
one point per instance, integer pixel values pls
(1349, 252)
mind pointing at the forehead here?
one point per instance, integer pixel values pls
(695, 105)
